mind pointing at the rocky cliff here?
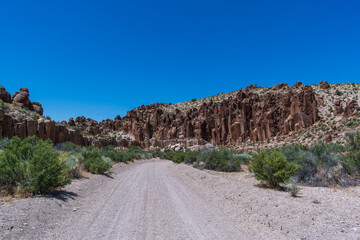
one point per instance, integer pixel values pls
(253, 114)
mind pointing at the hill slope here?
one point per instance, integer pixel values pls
(245, 119)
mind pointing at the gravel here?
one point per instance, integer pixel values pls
(157, 199)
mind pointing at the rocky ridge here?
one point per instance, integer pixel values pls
(245, 119)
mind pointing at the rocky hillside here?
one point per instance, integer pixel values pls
(21, 117)
(245, 119)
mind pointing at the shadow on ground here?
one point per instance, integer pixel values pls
(62, 195)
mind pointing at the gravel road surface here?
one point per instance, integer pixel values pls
(156, 199)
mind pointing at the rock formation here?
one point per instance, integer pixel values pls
(252, 114)
(351, 108)
(4, 95)
(248, 116)
(21, 99)
(36, 107)
(338, 110)
(324, 85)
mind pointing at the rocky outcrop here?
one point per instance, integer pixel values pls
(21, 99)
(252, 114)
(324, 85)
(248, 116)
(36, 107)
(5, 95)
(351, 108)
(47, 129)
(86, 125)
(338, 109)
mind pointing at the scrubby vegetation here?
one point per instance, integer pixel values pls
(225, 160)
(352, 157)
(34, 166)
(321, 164)
(31, 166)
(271, 167)
(95, 162)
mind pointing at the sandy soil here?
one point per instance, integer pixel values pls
(155, 199)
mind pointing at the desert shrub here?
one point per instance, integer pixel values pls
(31, 166)
(243, 157)
(224, 160)
(94, 162)
(318, 165)
(352, 157)
(2, 104)
(293, 189)
(155, 153)
(178, 157)
(167, 154)
(69, 147)
(271, 167)
(73, 161)
(116, 156)
(192, 156)
(4, 142)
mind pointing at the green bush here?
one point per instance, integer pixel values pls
(116, 156)
(167, 154)
(69, 147)
(94, 162)
(73, 161)
(271, 167)
(317, 165)
(178, 157)
(352, 157)
(31, 166)
(293, 189)
(4, 142)
(192, 156)
(224, 160)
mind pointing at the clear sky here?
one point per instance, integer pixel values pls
(103, 58)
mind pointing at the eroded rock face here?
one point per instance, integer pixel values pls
(47, 129)
(87, 125)
(247, 116)
(5, 95)
(338, 110)
(351, 108)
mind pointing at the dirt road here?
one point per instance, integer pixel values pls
(155, 199)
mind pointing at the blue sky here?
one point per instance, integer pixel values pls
(103, 58)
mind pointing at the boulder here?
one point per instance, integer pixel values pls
(36, 107)
(5, 95)
(351, 108)
(324, 85)
(21, 99)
